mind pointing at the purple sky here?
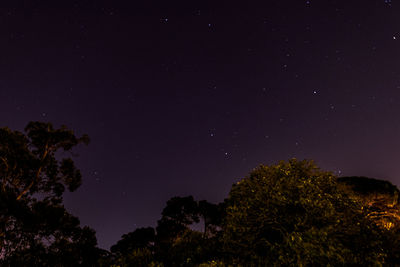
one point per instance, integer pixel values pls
(185, 98)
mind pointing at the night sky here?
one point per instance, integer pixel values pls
(185, 98)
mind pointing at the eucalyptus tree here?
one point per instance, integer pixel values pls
(35, 228)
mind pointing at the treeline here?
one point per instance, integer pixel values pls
(291, 214)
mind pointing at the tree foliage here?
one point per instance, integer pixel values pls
(293, 213)
(175, 241)
(140, 238)
(380, 199)
(35, 228)
(28, 162)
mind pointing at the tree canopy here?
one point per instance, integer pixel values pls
(293, 213)
(35, 228)
(290, 213)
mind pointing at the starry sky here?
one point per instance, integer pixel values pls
(187, 97)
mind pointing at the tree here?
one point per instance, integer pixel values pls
(182, 210)
(293, 213)
(35, 228)
(135, 248)
(380, 199)
(175, 242)
(140, 238)
(177, 216)
(211, 215)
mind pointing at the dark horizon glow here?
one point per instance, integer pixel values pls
(187, 98)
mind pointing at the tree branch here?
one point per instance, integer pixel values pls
(46, 151)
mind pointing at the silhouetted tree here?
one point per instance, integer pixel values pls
(35, 228)
(177, 216)
(178, 244)
(135, 248)
(182, 210)
(211, 215)
(175, 241)
(140, 238)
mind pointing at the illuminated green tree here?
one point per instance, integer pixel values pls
(293, 213)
